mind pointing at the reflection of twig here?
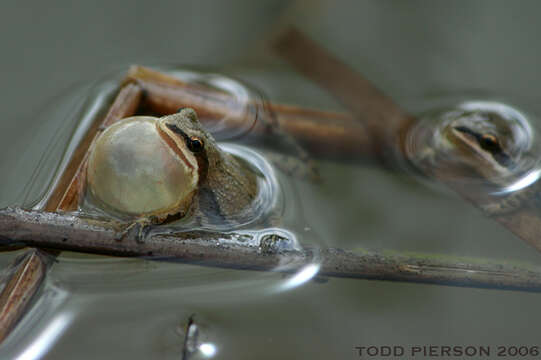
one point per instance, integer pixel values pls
(190, 338)
(26, 275)
(385, 122)
(67, 232)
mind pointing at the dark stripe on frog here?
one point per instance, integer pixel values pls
(209, 206)
(497, 154)
(177, 130)
(174, 146)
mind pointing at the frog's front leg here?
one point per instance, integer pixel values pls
(508, 204)
(141, 227)
(500, 208)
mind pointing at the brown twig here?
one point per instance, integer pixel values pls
(68, 232)
(26, 276)
(384, 120)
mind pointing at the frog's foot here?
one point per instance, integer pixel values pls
(503, 207)
(141, 227)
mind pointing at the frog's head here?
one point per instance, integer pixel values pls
(482, 136)
(189, 138)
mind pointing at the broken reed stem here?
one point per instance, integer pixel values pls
(386, 123)
(68, 232)
(26, 276)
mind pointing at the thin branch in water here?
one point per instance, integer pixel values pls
(190, 338)
(26, 277)
(69, 232)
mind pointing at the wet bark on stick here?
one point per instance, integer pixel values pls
(68, 232)
(25, 278)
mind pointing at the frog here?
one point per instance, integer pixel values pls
(155, 170)
(483, 141)
(494, 146)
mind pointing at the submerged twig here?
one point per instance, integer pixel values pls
(69, 232)
(26, 275)
(190, 338)
(523, 222)
(385, 122)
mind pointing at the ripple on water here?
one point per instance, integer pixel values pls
(503, 161)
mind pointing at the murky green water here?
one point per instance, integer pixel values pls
(137, 308)
(101, 307)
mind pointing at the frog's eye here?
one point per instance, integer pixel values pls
(489, 142)
(195, 144)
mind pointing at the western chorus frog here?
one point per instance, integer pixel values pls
(496, 146)
(155, 170)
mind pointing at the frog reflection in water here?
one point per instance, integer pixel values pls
(156, 170)
(492, 146)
